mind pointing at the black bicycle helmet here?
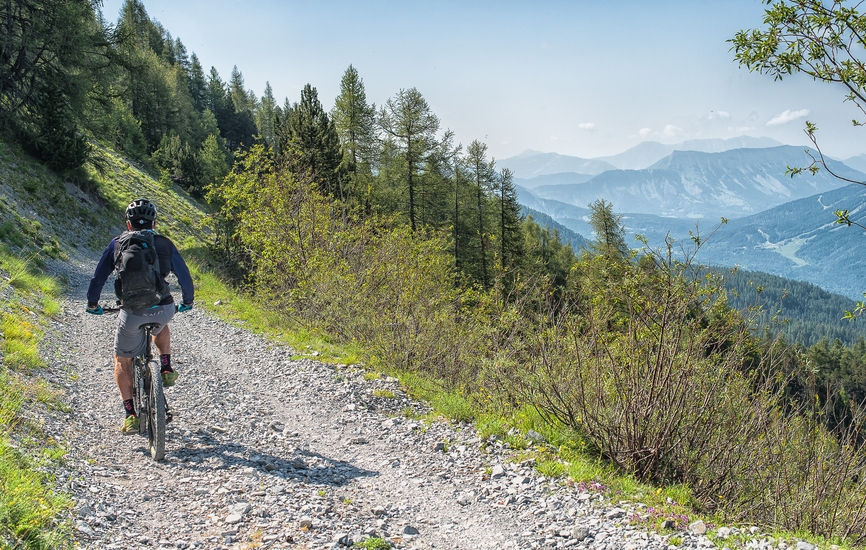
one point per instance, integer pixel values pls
(141, 212)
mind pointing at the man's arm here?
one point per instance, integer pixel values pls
(103, 270)
(184, 279)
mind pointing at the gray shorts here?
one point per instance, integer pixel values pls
(129, 338)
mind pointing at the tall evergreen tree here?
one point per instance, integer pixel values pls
(482, 172)
(51, 55)
(198, 86)
(265, 115)
(216, 96)
(509, 219)
(237, 92)
(609, 232)
(181, 57)
(354, 119)
(407, 119)
(310, 145)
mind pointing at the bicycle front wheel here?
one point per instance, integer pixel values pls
(156, 413)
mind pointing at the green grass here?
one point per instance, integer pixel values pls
(373, 543)
(31, 511)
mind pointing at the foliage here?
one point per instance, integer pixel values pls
(51, 52)
(307, 142)
(609, 232)
(805, 313)
(355, 121)
(373, 543)
(408, 120)
(819, 38)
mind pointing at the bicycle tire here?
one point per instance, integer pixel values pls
(139, 394)
(156, 413)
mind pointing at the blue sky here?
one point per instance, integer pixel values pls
(583, 78)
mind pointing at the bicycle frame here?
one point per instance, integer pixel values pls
(149, 398)
(153, 407)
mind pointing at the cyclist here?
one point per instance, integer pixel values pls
(128, 340)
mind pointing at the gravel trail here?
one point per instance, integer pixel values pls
(269, 452)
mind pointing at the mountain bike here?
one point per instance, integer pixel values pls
(148, 396)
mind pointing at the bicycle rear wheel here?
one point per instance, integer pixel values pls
(140, 394)
(155, 413)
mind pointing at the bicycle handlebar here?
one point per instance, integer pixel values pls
(116, 309)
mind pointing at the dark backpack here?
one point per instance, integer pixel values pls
(138, 284)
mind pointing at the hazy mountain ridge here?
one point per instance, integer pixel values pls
(799, 240)
(796, 240)
(690, 184)
(560, 178)
(530, 164)
(647, 153)
(541, 164)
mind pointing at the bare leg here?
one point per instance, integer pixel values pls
(123, 376)
(163, 341)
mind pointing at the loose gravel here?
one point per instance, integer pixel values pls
(269, 452)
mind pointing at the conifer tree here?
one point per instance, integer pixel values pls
(51, 55)
(237, 92)
(609, 232)
(265, 115)
(509, 219)
(408, 120)
(197, 85)
(482, 173)
(355, 122)
(309, 143)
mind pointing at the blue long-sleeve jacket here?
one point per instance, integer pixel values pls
(170, 261)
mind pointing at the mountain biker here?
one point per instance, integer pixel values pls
(128, 339)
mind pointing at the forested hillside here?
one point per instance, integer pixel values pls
(804, 312)
(375, 227)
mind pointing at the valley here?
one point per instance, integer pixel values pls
(774, 223)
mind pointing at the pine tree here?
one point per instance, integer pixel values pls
(310, 145)
(53, 55)
(197, 85)
(407, 119)
(509, 219)
(265, 115)
(355, 122)
(609, 232)
(482, 173)
(237, 92)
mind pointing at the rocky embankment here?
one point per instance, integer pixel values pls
(269, 452)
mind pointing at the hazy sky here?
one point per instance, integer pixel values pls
(583, 78)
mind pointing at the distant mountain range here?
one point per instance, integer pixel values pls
(531, 164)
(796, 240)
(857, 163)
(562, 178)
(777, 224)
(647, 153)
(690, 184)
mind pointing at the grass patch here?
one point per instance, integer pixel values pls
(19, 342)
(373, 543)
(550, 468)
(387, 394)
(30, 511)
